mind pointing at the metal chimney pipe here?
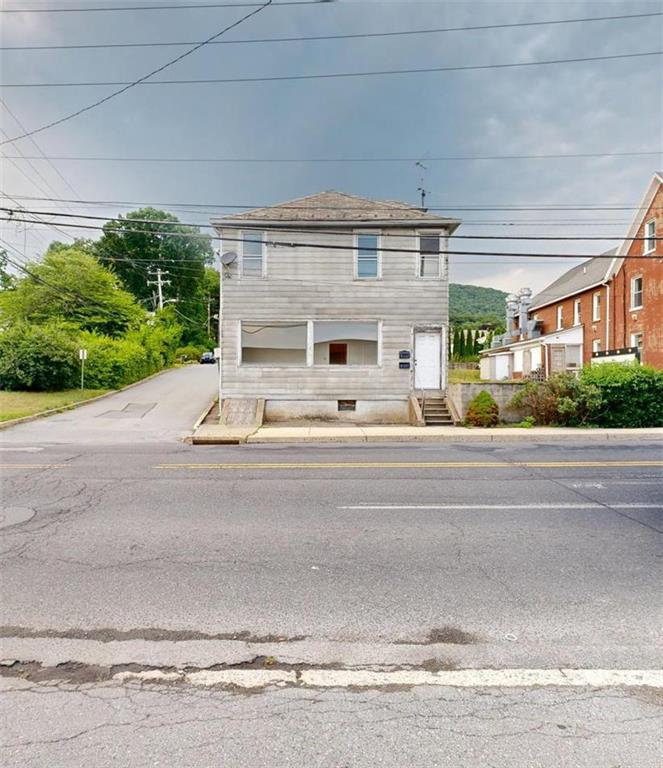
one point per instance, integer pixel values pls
(524, 303)
(511, 313)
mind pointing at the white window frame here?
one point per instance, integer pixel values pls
(649, 244)
(440, 272)
(596, 307)
(577, 312)
(357, 235)
(634, 337)
(635, 306)
(596, 345)
(560, 317)
(263, 271)
(326, 366)
(309, 333)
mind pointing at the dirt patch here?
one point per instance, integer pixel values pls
(108, 635)
(450, 635)
(437, 665)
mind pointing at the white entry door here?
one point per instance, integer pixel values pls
(427, 359)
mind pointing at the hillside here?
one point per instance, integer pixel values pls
(472, 305)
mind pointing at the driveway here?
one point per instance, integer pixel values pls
(163, 408)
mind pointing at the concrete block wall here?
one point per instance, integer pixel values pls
(461, 395)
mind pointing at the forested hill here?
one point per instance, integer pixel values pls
(472, 305)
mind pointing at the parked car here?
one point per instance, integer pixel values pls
(207, 357)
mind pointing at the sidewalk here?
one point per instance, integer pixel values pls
(210, 434)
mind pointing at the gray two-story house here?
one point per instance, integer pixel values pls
(333, 306)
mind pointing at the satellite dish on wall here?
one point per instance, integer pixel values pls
(228, 258)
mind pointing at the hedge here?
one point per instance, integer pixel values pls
(630, 395)
(605, 395)
(38, 358)
(45, 357)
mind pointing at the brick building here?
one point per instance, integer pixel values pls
(607, 308)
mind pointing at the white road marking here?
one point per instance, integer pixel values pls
(486, 678)
(502, 506)
(369, 678)
(207, 678)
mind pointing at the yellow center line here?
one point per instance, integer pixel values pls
(413, 465)
(32, 466)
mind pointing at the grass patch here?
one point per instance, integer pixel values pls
(463, 375)
(15, 405)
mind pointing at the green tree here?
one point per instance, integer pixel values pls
(456, 350)
(7, 280)
(70, 286)
(461, 345)
(148, 239)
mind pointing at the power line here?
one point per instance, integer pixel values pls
(140, 80)
(568, 207)
(181, 7)
(346, 234)
(350, 36)
(322, 76)
(327, 246)
(256, 160)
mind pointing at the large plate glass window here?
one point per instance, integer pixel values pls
(345, 343)
(368, 265)
(253, 245)
(274, 343)
(429, 255)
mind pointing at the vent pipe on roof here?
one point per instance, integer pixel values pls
(524, 303)
(511, 313)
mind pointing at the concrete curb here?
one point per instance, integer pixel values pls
(72, 406)
(495, 436)
(204, 414)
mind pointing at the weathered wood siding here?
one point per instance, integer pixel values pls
(319, 284)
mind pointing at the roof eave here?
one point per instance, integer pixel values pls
(230, 223)
(565, 296)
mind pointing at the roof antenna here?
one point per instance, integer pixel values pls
(422, 189)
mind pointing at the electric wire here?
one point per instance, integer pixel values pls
(349, 36)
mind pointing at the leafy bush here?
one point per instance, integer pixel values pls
(482, 411)
(38, 357)
(630, 395)
(607, 395)
(562, 399)
(114, 363)
(189, 352)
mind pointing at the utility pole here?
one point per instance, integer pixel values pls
(159, 282)
(209, 316)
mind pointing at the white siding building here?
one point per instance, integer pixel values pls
(333, 306)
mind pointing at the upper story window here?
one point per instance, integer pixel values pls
(253, 254)
(650, 235)
(430, 262)
(367, 262)
(636, 292)
(577, 312)
(596, 307)
(560, 317)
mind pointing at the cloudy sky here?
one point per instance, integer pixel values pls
(585, 107)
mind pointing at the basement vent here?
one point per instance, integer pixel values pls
(347, 405)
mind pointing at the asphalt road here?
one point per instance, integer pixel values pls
(147, 555)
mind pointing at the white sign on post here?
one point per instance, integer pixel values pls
(82, 356)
